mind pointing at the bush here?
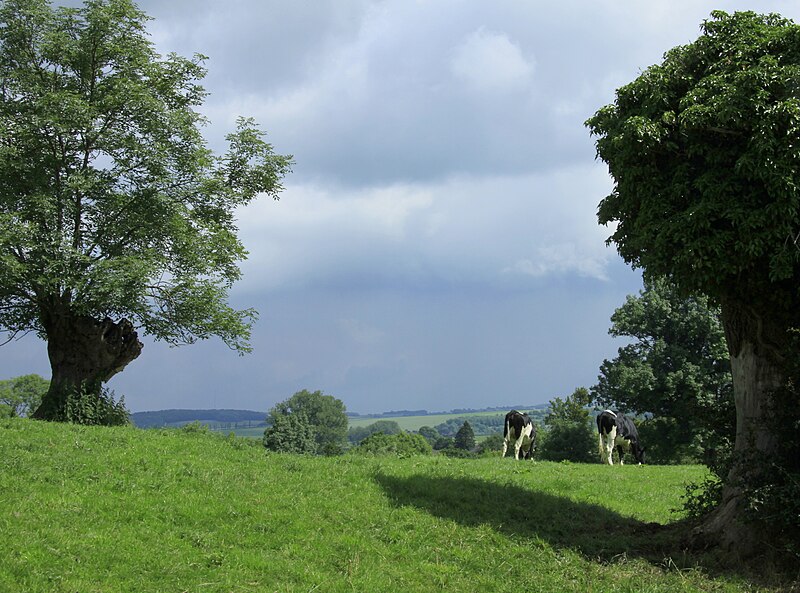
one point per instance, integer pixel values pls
(491, 445)
(402, 445)
(94, 409)
(567, 441)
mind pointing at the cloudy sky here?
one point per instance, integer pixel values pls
(436, 245)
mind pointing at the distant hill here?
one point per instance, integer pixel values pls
(181, 417)
(214, 418)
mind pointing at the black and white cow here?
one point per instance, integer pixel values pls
(617, 430)
(519, 429)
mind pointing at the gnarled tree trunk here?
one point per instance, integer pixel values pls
(756, 342)
(84, 353)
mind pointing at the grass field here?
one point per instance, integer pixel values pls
(118, 509)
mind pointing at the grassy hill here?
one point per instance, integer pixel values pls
(118, 509)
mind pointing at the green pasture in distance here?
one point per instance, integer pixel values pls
(410, 423)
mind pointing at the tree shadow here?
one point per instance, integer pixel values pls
(592, 530)
(595, 532)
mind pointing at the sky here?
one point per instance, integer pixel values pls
(436, 245)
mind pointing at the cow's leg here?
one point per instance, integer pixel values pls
(621, 451)
(505, 447)
(610, 438)
(517, 445)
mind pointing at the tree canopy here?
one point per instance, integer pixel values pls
(704, 150)
(324, 413)
(114, 213)
(676, 369)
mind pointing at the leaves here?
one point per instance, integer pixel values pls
(703, 149)
(111, 202)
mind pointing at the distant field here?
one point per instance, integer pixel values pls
(124, 510)
(416, 422)
(408, 423)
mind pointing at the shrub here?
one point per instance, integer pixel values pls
(90, 408)
(402, 445)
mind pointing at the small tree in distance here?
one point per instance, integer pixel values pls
(569, 435)
(325, 415)
(290, 433)
(22, 395)
(465, 437)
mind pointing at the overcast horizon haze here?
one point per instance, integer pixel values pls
(436, 245)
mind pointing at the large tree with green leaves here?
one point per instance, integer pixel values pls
(704, 150)
(115, 215)
(675, 368)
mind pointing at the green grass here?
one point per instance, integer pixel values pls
(118, 509)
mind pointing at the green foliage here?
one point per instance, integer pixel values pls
(465, 437)
(431, 434)
(703, 152)
(111, 203)
(481, 424)
(491, 445)
(444, 443)
(356, 434)
(325, 415)
(568, 435)
(89, 408)
(457, 452)
(22, 395)
(402, 444)
(291, 433)
(676, 369)
(218, 516)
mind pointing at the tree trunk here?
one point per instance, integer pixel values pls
(84, 353)
(756, 343)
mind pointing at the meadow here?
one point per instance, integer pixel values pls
(88, 509)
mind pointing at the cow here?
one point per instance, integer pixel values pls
(617, 430)
(519, 429)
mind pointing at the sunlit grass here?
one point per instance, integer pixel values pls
(120, 509)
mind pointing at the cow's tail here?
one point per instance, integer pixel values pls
(506, 428)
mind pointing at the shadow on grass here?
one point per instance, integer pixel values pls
(594, 531)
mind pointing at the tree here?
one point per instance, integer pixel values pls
(324, 413)
(704, 153)
(569, 436)
(431, 434)
(676, 369)
(23, 394)
(465, 437)
(356, 434)
(291, 433)
(114, 214)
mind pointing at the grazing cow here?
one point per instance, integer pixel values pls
(519, 429)
(617, 430)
